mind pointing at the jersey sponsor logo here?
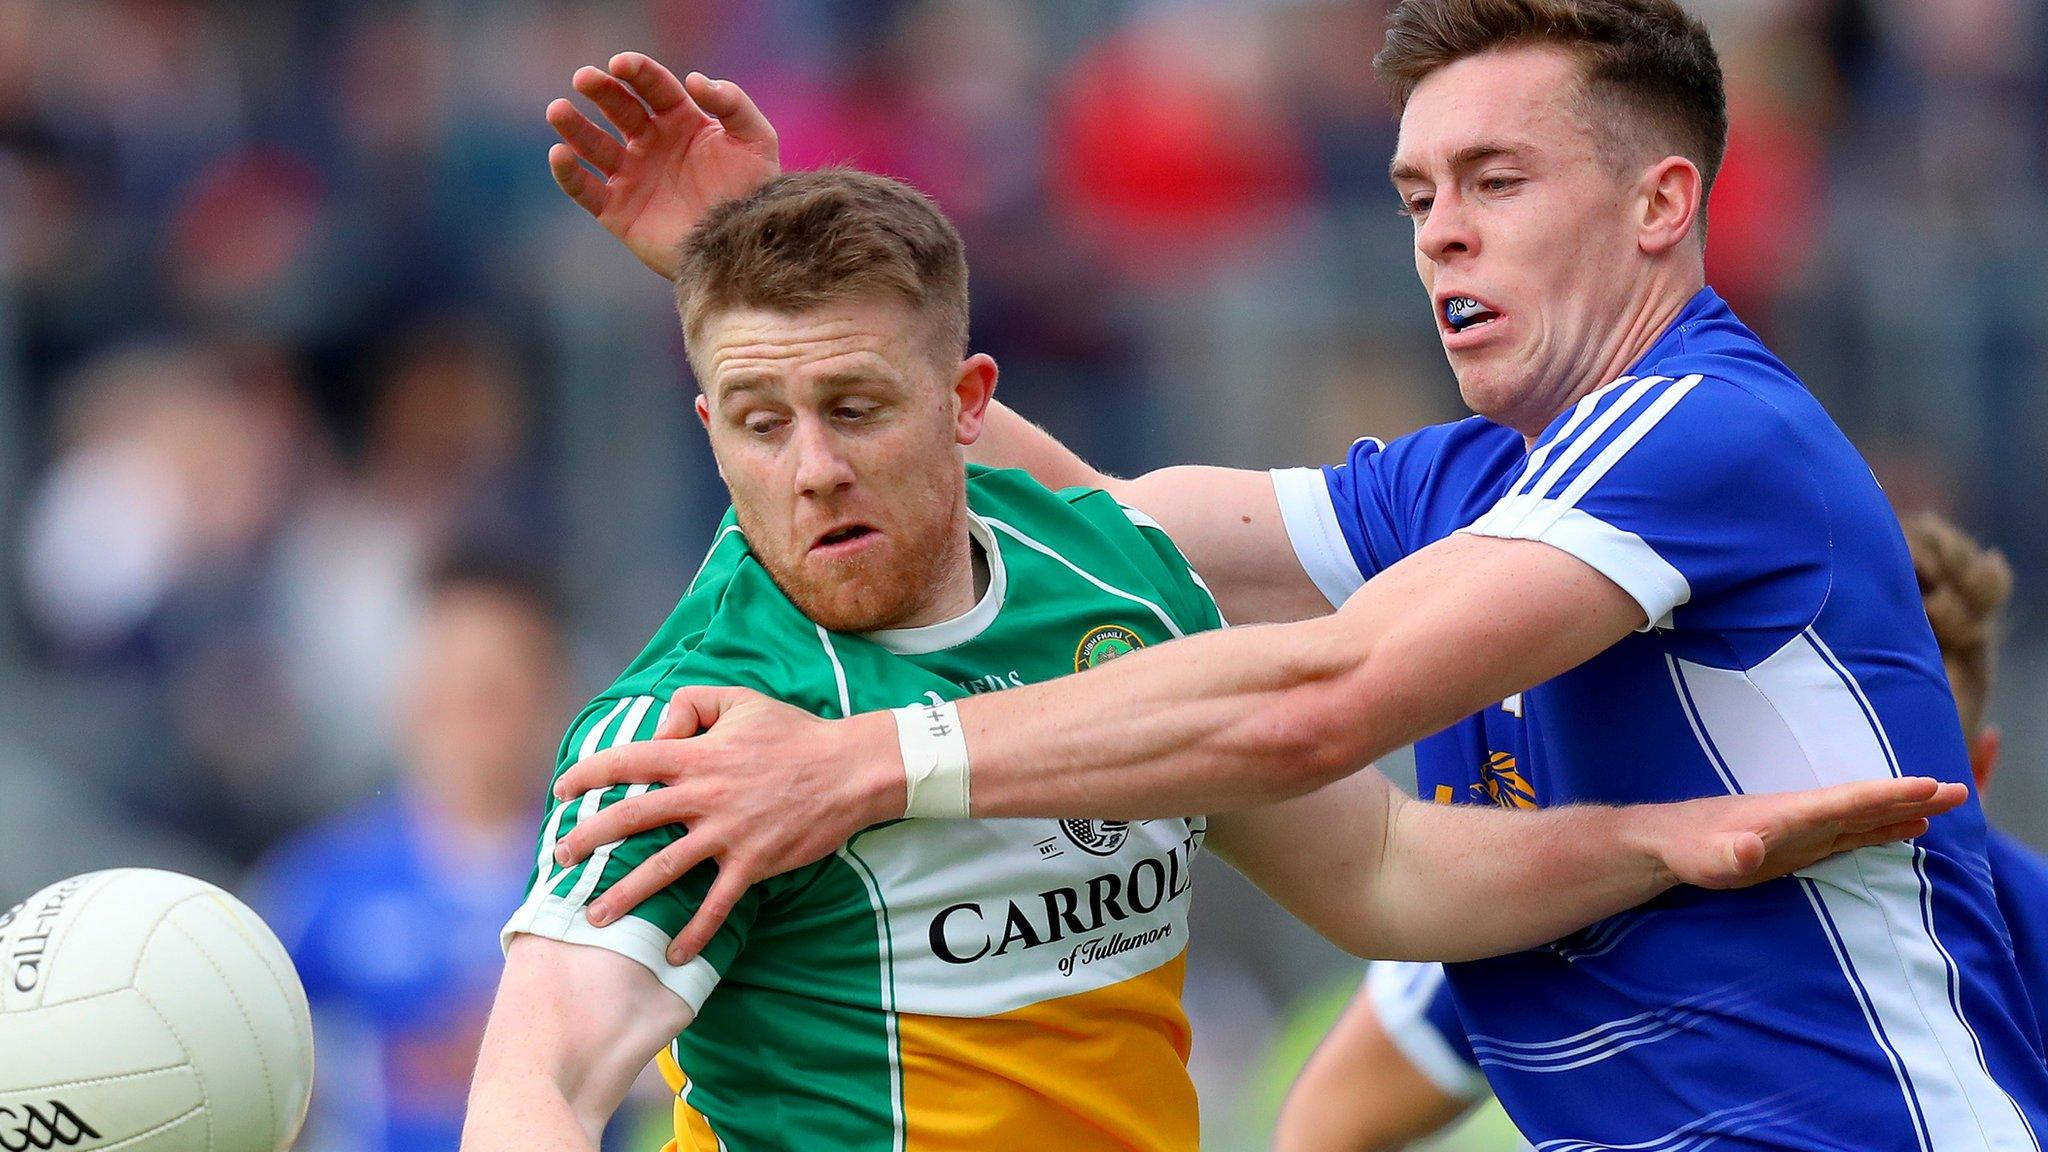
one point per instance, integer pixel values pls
(52, 1125)
(970, 931)
(1097, 837)
(1502, 784)
(1103, 643)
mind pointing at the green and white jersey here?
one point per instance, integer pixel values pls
(935, 984)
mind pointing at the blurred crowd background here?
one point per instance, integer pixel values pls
(340, 456)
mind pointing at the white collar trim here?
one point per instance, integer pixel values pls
(960, 629)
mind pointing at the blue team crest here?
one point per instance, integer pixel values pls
(1502, 784)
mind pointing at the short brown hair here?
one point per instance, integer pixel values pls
(810, 238)
(1965, 586)
(1650, 56)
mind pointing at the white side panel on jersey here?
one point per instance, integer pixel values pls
(987, 916)
(1401, 993)
(1799, 720)
(1311, 519)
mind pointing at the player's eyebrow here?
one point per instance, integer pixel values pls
(727, 389)
(1464, 157)
(851, 377)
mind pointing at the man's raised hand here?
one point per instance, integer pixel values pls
(682, 146)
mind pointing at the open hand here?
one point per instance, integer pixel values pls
(762, 787)
(687, 144)
(1736, 841)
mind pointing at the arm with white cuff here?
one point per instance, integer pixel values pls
(934, 750)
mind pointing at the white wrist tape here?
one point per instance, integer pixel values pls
(934, 760)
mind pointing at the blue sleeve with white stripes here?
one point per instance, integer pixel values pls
(1354, 520)
(1693, 494)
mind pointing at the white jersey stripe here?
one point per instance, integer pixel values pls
(593, 868)
(1310, 517)
(838, 671)
(1796, 720)
(1165, 618)
(889, 1015)
(728, 530)
(1580, 411)
(1619, 446)
(1695, 1136)
(595, 736)
(1592, 434)
(1692, 718)
(1144, 521)
(675, 1050)
(1926, 885)
(561, 917)
(1610, 1039)
(544, 865)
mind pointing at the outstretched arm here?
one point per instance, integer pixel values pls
(1382, 875)
(1217, 722)
(572, 1027)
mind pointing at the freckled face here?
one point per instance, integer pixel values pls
(839, 434)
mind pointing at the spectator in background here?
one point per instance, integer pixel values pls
(391, 911)
(178, 461)
(445, 460)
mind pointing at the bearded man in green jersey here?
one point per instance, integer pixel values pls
(956, 984)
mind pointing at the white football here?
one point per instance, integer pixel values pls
(150, 1012)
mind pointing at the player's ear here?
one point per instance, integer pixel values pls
(704, 411)
(1984, 749)
(973, 387)
(1672, 195)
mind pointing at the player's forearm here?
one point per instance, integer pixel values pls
(509, 1108)
(1008, 440)
(1458, 882)
(1214, 722)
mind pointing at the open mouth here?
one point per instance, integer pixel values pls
(846, 535)
(1464, 313)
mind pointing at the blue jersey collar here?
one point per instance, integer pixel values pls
(1705, 308)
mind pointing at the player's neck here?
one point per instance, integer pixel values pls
(964, 580)
(1648, 315)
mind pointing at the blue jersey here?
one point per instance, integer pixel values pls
(1870, 1002)
(398, 949)
(1419, 1013)
(2021, 877)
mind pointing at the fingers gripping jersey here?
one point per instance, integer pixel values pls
(1870, 1002)
(936, 984)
